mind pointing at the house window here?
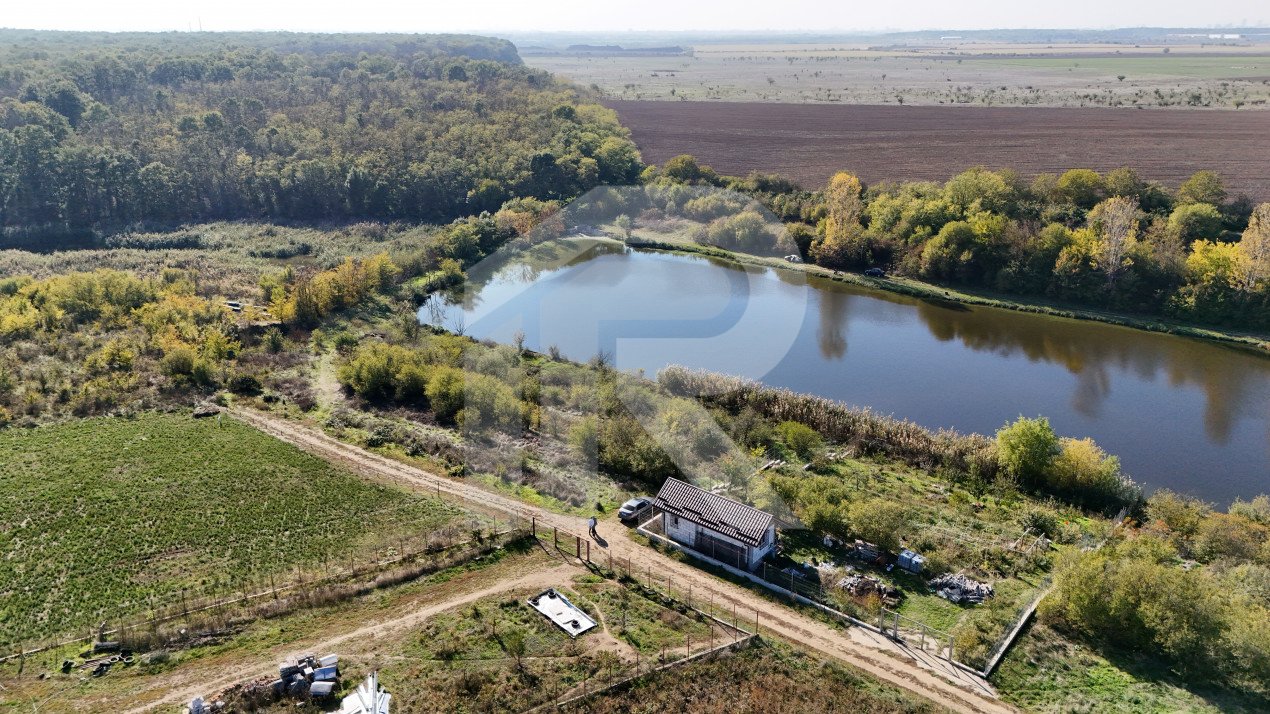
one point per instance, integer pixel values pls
(674, 521)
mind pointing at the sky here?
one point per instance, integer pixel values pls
(494, 16)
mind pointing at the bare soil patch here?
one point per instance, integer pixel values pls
(808, 143)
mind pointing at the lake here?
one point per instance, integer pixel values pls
(1180, 413)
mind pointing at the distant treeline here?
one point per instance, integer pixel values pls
(1108, 240)
(100, 131)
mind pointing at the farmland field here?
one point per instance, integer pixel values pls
(979, 74)
(104, 518)
(809, 142)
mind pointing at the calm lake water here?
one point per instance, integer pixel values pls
(1180, 413)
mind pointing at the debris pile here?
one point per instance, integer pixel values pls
(303, 679)
(308, 677)
(868, 552)
(101, 659)
(864, 585)
(958, 588)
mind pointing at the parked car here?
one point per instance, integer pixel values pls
(875, 273)
(634, 510)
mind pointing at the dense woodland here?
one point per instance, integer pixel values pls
(1112, 241)
(102, 132)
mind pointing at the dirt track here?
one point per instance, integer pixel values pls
(809, 142)
(185, 685)
(918, 672)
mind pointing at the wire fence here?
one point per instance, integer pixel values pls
(274, 590)
(808, 591)
(728, 626)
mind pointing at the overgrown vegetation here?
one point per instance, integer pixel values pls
(768, 677)
(1190, 585)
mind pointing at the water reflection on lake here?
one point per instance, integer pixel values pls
(1180, 413)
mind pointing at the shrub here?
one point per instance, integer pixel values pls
(1026, 449)
(445, 392)
(178, 361)
(800, 438)
(880, 521)
(247, 385)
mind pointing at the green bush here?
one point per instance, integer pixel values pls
(800, 438)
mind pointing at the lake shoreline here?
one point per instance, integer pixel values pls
(918, 289)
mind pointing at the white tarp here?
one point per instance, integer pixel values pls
(368, 699)
(558, 609)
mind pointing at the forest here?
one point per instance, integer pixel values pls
(1112, 241)
(100, 132)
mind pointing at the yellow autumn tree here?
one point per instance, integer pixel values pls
(841, 242)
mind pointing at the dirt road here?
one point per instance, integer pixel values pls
(185, 685)
(915, 671)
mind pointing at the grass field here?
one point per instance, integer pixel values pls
(103, 518)
(1046, 672)
(1253, 67)
(983, 74)
(768, 677)
(458, 658)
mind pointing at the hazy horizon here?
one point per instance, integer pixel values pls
(579, 16)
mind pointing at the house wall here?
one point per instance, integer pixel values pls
(680, 530)
(757, 554)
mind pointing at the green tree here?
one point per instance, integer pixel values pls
(1195, 221)
(625, 225)
(1082, 187)
(880, 521)
(445, 392)
(1202, 187)
(514, 645)
(1026, 450)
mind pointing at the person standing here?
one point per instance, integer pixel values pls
(593, 522)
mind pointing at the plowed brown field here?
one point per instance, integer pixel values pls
(808, 142)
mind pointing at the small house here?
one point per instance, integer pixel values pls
(715, 526)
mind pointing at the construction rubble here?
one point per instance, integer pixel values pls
(858, 585)
(958, 588)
